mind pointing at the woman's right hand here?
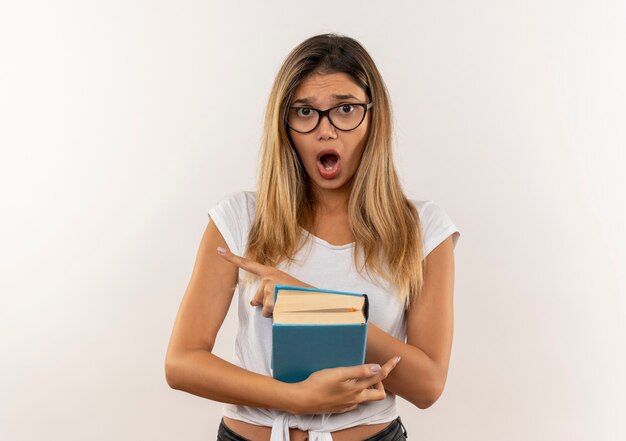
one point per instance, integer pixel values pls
(337, 390)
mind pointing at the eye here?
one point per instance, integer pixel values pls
(346, 108)
(304, 112)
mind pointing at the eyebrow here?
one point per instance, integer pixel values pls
(309, 100)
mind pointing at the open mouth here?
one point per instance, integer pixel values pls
(329, 160)
(328, 163)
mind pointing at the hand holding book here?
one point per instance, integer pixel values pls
(341, 389)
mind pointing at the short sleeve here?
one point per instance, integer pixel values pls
(232, 217)
(436, 226)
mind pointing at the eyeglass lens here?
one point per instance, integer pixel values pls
(344, 117)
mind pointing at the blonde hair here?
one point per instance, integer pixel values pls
(385, 224)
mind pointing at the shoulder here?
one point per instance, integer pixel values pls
(237, 202)
(436, 224)
(233, 215)
(429, 210)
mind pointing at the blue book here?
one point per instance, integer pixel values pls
(316, 329)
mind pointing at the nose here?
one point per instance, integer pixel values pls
(325, 129)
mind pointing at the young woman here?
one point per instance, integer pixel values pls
(329, 212)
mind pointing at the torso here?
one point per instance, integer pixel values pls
(262, 433)
(336, 231)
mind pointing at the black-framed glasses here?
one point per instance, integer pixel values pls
(344, 117)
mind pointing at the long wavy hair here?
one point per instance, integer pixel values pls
(385, 224)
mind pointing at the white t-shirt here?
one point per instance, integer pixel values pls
(327, 266)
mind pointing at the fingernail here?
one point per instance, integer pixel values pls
(375, 367)
(221, 251)
(398, 360)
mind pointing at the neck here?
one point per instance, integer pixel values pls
(331, 201)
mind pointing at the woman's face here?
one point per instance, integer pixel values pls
(322, 91)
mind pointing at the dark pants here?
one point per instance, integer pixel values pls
(394, 432)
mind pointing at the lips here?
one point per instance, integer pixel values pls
(330, 166)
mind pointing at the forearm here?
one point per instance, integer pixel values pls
(417, 378)
(202, 373)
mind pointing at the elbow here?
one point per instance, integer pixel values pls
(179, 365)
(428, 397)
(171, 373)
(425, 403)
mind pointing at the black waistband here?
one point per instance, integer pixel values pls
(389, 433)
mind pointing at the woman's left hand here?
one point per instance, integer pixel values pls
(269, 275)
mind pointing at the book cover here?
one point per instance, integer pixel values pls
(301, 346)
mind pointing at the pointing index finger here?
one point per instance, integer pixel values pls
(242, 262)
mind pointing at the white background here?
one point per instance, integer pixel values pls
(123, 122)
